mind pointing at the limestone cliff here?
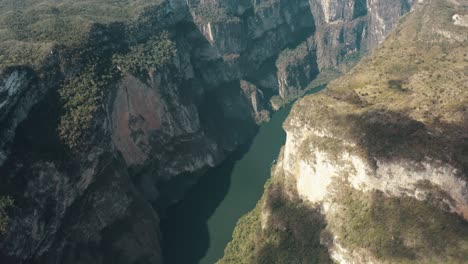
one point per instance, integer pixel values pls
(374, 169)
(97, 109)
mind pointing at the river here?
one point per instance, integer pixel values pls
(197, 229)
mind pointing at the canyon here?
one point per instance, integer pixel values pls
(104, 104)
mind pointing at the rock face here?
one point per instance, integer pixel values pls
(256, 99)
(296, 68)
(19, 92)
(94, 204)
(380, 155)
(349, 27)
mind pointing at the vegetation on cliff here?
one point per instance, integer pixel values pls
(81, 36)
(29, 29)
(211, 12)
(319, 82)
(82, 99)
(398, 229)
(150, 55)
(278, 230)
(295, 238)
(82, 96)
(5, 202)
(292, 56)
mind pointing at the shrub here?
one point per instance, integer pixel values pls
(360, 8)
(352, 58)
(293, 56)
(399, 229)
(81, 99)
(213, 13)
(290, 233)
(41, 24)
(150, 55)
(5, 202)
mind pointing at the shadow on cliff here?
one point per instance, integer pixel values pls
(184, 226)
(393, 135)
(186, 237)
(390, 135)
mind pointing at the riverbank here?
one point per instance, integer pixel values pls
(197, 229)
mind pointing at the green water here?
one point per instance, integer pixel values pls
(198, 229)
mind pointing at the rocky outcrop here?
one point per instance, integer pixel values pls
(256, 99)
(296, 68)
(460, 20)
(349, 28)
(11, 89)
(19, 92)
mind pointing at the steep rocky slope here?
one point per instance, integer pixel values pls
(101, 101)
(375, 168)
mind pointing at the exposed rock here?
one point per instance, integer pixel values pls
(296, 68)
(460, 20)
(136, 113)
(19, 92)
(256, 98)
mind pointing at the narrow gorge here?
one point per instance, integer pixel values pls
(129, 128)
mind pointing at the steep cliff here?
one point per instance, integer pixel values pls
(102, 101)
(374, 169)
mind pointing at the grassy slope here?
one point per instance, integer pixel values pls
(397, 229)
(30, 28)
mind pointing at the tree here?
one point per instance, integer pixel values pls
(5, 202)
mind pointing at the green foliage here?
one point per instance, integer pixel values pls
(33, 27)
(21, 53)
(290, 233)
(243, 247)
(50, 21)
(360, 8)
(352, 58)
(399, 229)
(37, 25)
(293, 56)
(261, 6)
(397, 85)
(5, 202)
(213, 13)
(81, 98)
(295, 237)
(150, 55)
